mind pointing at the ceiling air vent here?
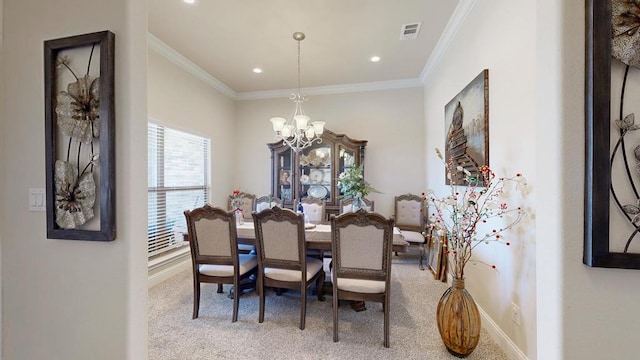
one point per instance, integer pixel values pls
(410, 31)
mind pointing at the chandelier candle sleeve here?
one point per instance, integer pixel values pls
(297, 132)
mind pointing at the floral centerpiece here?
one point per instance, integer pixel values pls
(237, 200)
(456, 216)
(351, 184)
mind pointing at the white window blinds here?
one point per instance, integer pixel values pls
(178, 179)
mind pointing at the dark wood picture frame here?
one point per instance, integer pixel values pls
(467, 128)
(597, 251)
(104, 41)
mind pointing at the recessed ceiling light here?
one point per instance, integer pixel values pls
(375, 58)
(257, 71)
(190, 1)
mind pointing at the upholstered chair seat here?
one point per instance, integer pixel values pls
(313, 266)
(413, 236)
(246, 262)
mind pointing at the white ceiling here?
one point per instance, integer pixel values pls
(228, 38)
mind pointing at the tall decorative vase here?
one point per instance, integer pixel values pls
(358, 204)
(458, 320)
(239, 217)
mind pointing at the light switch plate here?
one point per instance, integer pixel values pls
(37, 199)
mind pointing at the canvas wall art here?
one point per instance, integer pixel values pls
(467, 128)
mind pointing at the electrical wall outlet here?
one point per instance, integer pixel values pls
(515, 314)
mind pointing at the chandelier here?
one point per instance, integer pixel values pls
(297, 132)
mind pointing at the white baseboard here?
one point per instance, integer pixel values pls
(512, 351)
(157, 276)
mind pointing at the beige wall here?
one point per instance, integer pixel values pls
(2, 175)
(390, 120)
(83, 300)
(180, 100)
(598, 311)
(65, 299)
(484, 42)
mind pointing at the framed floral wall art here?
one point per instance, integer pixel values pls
(80, 137)
(612, 179)
(467, 127)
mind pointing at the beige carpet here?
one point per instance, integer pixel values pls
(414, 334)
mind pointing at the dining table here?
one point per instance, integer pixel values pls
(317, 236)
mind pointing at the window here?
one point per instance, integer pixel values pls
(178, 179)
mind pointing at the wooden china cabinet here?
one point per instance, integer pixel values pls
(314, 171)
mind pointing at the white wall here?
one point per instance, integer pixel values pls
(65, 299)
(499, 36)
(390, 120)
(1, 160)
(598, 312)
(180, 100)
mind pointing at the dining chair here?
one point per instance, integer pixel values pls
(214, 253)
(410, 219)
(314, 209)
(282, 260)
(248, 204)
(267, 202)
(361, 244)
(346, 205)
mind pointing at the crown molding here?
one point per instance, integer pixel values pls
(332, 89)
(172, 55)
(458, 18)
(179, 59)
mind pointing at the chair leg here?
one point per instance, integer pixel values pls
(196, 298)
(386, 320)
(320, 286)
(335, 314)
(421, 256)
(220, 289)
(260, 289)
(303, 306)
(236, 300)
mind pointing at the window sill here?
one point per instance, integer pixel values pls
(165, 258)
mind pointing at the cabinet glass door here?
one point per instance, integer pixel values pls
(315, 172)
(346, 159)
(284, 189)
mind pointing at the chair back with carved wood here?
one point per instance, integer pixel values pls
(411, 220)
(267, 202)
(361, 251)
(282, 260)
(214, 252)
(346, 205)
(314, 209)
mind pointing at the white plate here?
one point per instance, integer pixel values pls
(304, 179)
(316, 176)
(317, 191)
(327, 177)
